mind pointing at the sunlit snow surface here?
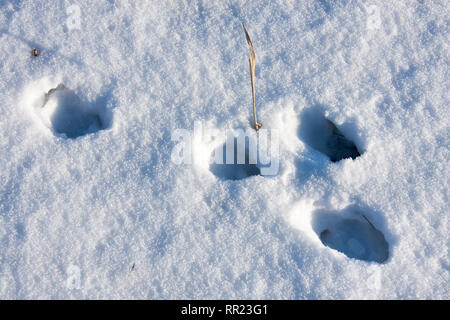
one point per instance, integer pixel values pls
(91, 205)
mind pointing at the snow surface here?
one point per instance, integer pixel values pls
(97, 209)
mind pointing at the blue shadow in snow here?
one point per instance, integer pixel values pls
(323, 135)
(235, 170)
(73, 118)
(351, 232)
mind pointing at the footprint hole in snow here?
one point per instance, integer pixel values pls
(235, 159)
(355, 236)
(65, 114)
(323, 135)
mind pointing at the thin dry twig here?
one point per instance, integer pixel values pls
(251, 61)
(370, 223)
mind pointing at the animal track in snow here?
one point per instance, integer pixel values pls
(323, 135)
(64, 113)
(235, 161)
(354, 235)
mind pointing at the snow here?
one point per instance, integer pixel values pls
(63, 112)
(92, 204)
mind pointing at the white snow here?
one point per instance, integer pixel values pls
(92, 205)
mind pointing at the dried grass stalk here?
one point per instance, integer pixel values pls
(251, 61)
